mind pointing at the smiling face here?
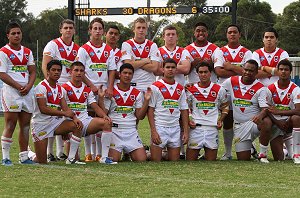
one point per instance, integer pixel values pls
(201, 34)
(250, 71)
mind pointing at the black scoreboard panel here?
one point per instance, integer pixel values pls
(151, 10)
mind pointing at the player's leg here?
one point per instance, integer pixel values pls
(210, 154)
(265, 128)
(173, 153)
(138, 155)
(228, 136)
(243, 150)
(211, 143)
(296, 138)
(87, 147)
(192, 154)
(156, 153)
(50, 151)
(98, 146)
(60, 148)
(288, 142)
(40, 148)
(277, 148)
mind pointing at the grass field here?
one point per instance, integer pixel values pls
(165, 179)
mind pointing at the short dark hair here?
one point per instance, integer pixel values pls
(169, 60)
(233, 25)
(53, 62)
(12, 25)
(96, 20)
(126, 66)
(271, 29)
(252, 62)
(169, 27)
(204, 64)
(67, 21)
(77, 63)
(113, 27)
(285, 62)
(200, 24)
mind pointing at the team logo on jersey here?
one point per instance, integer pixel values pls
(92, 54)
(147, 48)
(165, 56)
(61, 49)
(163, 89)
(132, 97)
(59, 95)
(117, 59)
(106, 54)
(225, 54)
(12, 57)
(70, 93)
(252, 92)
(177, 55)
(241, 54)
(235, 88)
(26, 56)
(49, 94)
(178, 91)
(117, 97)
(209, 52)
(261, 58)
(85, 94)
(288, 96)
(213, 94)
(134, 48)
(74, 52)
(276, 58)
(193, 52)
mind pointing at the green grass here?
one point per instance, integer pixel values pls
(165, 179)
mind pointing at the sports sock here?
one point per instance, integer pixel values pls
(296, 141)
(59, 145)
(98, 143)
(105, 141)
(289, 146)
(6, 142)
(23, 156)
(50, 145)
(87, 144)
(74, 144)
(263, 150)
(228, 137)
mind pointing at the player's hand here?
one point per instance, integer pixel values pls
(227, 65)
(101, 92)
(257, 119)
(108, 119)
(192, 124)
(185, 138)
(109, 92)
(188, 85)
(219, 124)
(148, 94)
(69, 113)
(24, 90)
(146, 61)
(155, 137)
(78, 123)
(94, 89)
(273, 110)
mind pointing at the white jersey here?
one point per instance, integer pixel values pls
(66, 54)
(167, 101)
(118, 56)
(205, 103)
(283, 99)
(53, 96)
(247, 100)
(178, 54)
(121, 107)
(209, 53)
(269, 59)
(78, 98)
(15, 63)
(98, 61)
(136, 51)
(237, 56)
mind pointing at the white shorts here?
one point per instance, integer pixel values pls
(125, 139)
(86, 122)
(170, 136)
(12, 101)
(204, 136)
(42, 131)
(276, 132)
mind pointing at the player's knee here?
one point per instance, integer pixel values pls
(295, 121)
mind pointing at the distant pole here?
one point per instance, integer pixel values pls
(148, 20)
(234, 8)
(71, 8)
(37, 53)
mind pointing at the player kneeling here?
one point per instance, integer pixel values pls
(125, 108)
(78, 96)
(52, 115)
(205, 99)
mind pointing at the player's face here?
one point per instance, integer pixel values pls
(169, 70)
(270, 40)
(77, 73)
(54, 72)
(201, 33)
(249, 73)
(14, 36)
(233, 35)
(284, 72)
(204, 74)
(140, 30)
(112, 36)
(170, 37)
(96, 31)
(67, 30)
(126, 76)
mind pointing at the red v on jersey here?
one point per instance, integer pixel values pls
(275, 96)
(136, 52)
(129, 101)
(14, 58)
(207, 54)
(50, 97)
(177, 55)
(166, 94)
(235, 83)
(274, 60)
(238, 58)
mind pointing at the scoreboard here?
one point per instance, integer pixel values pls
(152, 10)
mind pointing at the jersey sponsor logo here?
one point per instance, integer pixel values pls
(53, 106)
(242, 103)
(42, 133)
(281, 107)
(77, 107)
(124, 110)
(14, 107)
(19, 68)
(98, 67)
(170, 104)
(205, 105)
(39, 95)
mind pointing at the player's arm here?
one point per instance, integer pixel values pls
(44, 109)
(101, 99)
(69, 113)
(183, 67)
(90, 84)
(270, 70)
(100, 112)
(154, 135)
(140, 113)
(290, 112)
(185, 121)
(224, 108)
(152, 66)
(238, 70)
(32, 77)
(9, 81)
(46, 59)
(110, 83)
(223, 73)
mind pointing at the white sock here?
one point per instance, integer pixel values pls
(93, 144)
(228, 137)
(87, 144)
(31, 155)
(23, 156)
(296, 141)
(105, 141)
(74, 144)
(6, 142)
(289, 146)
(59, 145)
(98, 143)
(263, 150)
(50, 145)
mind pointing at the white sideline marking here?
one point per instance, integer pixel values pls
(196, 181)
